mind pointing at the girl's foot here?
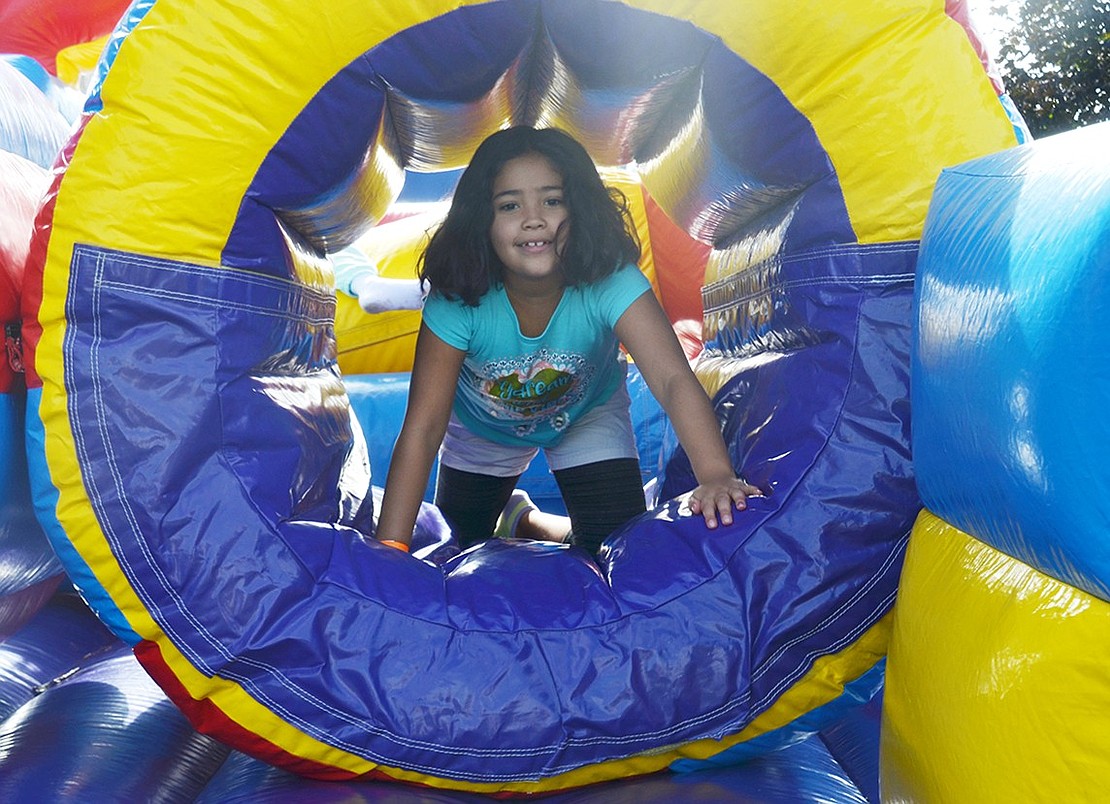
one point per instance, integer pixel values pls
(518, 505)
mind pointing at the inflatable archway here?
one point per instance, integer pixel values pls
(196, 462)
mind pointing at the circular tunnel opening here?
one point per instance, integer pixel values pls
(717, 144)
(714, 142)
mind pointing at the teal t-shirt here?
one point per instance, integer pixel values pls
(518, 390)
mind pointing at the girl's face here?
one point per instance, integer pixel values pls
(528, 211)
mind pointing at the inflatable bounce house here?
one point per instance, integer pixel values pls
(198, 423)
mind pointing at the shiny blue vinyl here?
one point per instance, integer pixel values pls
(235, 494)
(246, 500)
(29, 572)
(104, 733)
(109, 735)
(805, 773)
(62, 636)
(1010, 387)
(79, 721)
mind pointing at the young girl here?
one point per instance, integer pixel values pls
(534, 286)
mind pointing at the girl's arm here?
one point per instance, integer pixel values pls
(435, 375)
(646, 333)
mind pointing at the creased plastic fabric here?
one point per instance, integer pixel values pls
(201, 471)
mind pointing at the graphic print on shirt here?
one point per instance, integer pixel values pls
(534, 388)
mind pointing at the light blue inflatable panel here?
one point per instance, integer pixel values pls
(1011, 388)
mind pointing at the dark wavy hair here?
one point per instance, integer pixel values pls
(459, 261)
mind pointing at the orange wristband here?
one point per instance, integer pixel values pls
(404, 548)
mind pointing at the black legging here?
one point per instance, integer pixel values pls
(599, 497)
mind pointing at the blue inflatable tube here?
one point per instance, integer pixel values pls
(1011, 315)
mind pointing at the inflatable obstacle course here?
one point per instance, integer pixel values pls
(196, 458)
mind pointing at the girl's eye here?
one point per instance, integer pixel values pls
(554, 202)
(507, 206)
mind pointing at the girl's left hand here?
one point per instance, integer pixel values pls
(714, 500)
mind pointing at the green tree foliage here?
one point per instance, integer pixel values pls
(1056, 62)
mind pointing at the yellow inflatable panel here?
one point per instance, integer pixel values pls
(997, 681)
(75, 61)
